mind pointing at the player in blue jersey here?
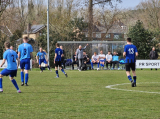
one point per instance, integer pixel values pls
(25, 54)
(47, 60)
(41, 55)
(130, 53)
(57, 60)
(10, 56)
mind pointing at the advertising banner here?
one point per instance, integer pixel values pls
(147, 63)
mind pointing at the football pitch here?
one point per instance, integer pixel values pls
(83, 95)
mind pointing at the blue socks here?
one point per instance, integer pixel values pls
(130, 78)
(26, 78)
(1, 83)
(92, 65)
(13, 81)
(41, 68)
(22, 77)
(48, 67)
(98, 65)
(57, 73)
(63, 71)
(15, 84)
(134, 77)
(102, 65)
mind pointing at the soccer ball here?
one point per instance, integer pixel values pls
(98, 69)
(43, 64)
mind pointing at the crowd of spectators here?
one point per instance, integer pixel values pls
(103, 59)
(82, 59)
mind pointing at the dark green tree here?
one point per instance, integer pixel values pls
(143, 39)
(42, 39)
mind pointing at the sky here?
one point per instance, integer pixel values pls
(125, 3)
(129, 3)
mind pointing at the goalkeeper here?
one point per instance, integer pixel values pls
(41, 54)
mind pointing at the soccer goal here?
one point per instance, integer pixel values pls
(70, 47)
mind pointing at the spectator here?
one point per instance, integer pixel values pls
(17, 51)
(109, 59)
(85, 58)
(63, 57)
(74, 61)
(115, 60)
(95, 60)
(153, 55)
(79, 56)
(102, 59)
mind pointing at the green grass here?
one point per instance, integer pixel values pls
(81, 96)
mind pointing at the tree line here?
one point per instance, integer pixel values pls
(68, 18)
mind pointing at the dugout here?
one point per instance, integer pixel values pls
(70, 47)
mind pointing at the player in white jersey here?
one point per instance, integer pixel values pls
(95, 60)
(109, 59)
(102, 59)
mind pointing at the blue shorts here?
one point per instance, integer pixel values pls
(25, 63)
(42, 60)
(11, 73)
(101, 60)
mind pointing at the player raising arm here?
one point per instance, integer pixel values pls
(12, 66)
(25, 54)
(130, 52)
(57, 60)
(41, 55)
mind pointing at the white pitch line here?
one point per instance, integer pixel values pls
(111, 87)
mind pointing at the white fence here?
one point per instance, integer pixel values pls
(5, 65)
(139, 64)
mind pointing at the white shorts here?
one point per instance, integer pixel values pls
(101, 60)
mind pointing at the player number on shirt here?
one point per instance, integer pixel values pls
(25, 51)
(131, 51)
(59, 52)
(13, 58)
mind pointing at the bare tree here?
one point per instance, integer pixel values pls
(39, 4)
(109, 18)
(90, 11)
(149, 13)
(3, 5)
